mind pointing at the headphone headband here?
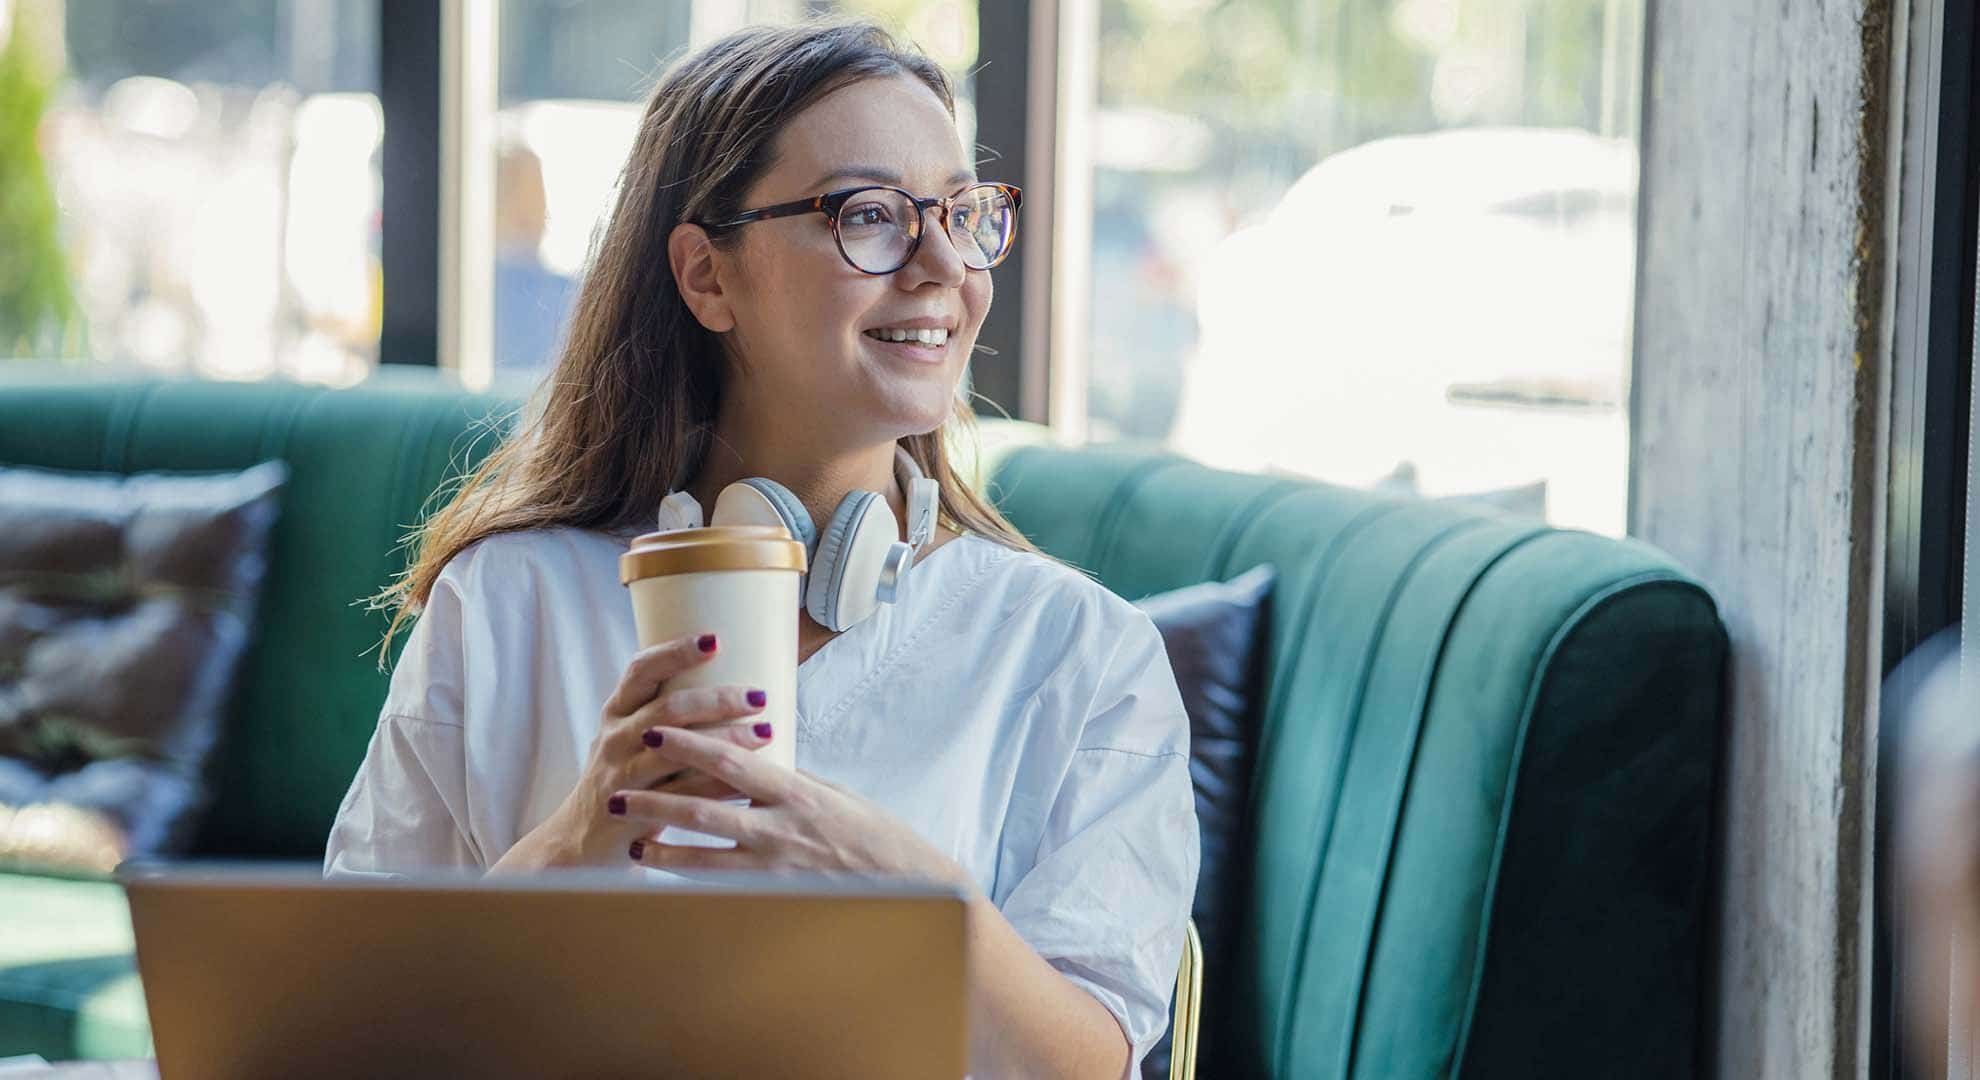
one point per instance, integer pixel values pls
(924, 497)
(679, 510)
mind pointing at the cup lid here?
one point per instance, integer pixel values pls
(713, 547)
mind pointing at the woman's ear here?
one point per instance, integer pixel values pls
(694, 261)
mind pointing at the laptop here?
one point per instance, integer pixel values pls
(257, 972)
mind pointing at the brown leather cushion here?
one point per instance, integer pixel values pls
(1214, 634)
(125, 604)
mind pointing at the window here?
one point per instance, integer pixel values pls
(1394, 247)
(215, 168)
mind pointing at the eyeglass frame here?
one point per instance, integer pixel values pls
(832, 202)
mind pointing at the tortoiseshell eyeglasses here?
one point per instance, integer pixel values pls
(879, 228)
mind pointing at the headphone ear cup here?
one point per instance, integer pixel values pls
(852, 551)
(757, 501)
(821, 594)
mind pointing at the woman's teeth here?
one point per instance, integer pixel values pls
(937, 336)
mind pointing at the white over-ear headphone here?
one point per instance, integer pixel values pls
(855, 564)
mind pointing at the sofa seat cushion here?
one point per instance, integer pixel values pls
(68, 974)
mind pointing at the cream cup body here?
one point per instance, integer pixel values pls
(754, 617)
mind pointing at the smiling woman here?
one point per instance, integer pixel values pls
(809, 316)
(788, 289)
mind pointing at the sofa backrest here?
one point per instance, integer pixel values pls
(1480, 816)
(362, 461)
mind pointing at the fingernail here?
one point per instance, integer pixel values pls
(616, 804)
(652, 737)
(706, 643)
(757, 698)
(637, 849)
(763, 731)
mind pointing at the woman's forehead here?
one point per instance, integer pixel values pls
(884, 130)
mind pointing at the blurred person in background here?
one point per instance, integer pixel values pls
(530, 298)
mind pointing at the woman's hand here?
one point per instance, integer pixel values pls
(584, 830)
(1026, 1019)
(796, 822)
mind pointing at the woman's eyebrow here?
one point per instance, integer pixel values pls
(885, 176)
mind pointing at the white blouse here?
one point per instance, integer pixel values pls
(1016, 714)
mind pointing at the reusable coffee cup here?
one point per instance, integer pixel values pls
(740, 583)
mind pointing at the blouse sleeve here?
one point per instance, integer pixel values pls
(1108, 898)
(406, 809)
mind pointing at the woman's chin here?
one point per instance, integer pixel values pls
(916, 414)
(923, 397)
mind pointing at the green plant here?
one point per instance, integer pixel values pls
(38, 313)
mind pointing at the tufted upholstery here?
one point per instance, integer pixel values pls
(1481, 813)
(1481, 808)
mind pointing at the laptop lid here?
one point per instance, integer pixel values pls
(253, 972)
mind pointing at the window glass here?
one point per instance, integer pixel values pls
(215, 168)
(1393, 247)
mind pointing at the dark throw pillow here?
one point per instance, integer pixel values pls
(125, 605)
(1216, 635)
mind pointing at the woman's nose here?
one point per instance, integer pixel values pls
(937, 259)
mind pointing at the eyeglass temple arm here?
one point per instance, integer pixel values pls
(789, 209)
(820, 204)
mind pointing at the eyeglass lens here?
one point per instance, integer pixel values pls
(878, 226)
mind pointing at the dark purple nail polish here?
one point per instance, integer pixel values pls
(757, 698)
(706, 643)
(652, 737)
(763, 731)
(637, 850)
(616, 805)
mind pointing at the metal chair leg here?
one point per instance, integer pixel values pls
(1189, 1006)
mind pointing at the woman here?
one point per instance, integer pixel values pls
(1006, 725)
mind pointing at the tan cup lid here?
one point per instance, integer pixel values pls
(714, 547)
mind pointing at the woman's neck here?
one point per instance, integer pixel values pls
(819, 481)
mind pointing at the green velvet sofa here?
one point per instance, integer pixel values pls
(1479, 828)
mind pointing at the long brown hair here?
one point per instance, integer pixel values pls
(625, 416)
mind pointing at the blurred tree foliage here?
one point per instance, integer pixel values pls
(1334, 73)
(944, 29)
(38, 312)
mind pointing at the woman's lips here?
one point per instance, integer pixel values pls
(912, 351)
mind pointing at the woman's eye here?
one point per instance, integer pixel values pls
(866, 214)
